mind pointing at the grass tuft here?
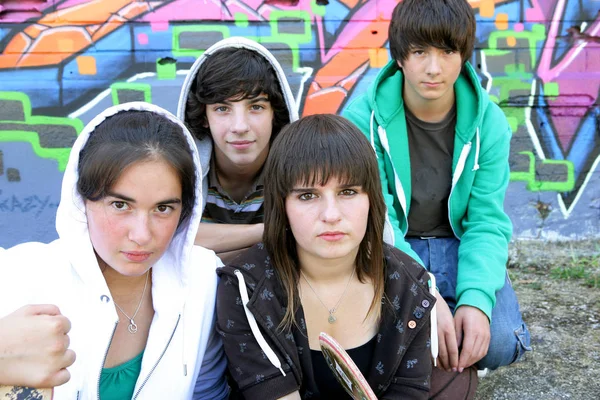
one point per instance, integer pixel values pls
(585, 268)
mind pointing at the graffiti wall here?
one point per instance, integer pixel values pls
(62, 61)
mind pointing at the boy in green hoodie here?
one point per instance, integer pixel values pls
(443, 148)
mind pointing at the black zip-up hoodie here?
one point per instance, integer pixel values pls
(401, 363)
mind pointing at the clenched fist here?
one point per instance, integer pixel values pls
(34, 347)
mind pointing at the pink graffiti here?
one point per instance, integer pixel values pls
(574, 96)
(185, 10)
(535, 13)
(222, 10)
(68, 3)
(361, 20)
(548, 73)
(21, 11)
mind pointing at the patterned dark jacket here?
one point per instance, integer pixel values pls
(401, 364)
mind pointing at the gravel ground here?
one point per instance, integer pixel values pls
(563, 316)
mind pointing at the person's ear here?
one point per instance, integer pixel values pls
(205, 122)
(399, 63)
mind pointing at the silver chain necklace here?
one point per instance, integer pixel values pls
(132, 328)
(331, 319)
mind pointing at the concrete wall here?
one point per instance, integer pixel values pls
(61, 62)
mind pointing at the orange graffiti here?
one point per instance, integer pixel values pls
(487, 8)
(34, 30)
(486, 3)
(378, 57)
(335, 79)
(86, 65)
(502, 21)
(71, 31)
(351, 4)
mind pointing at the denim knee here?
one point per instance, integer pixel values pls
(506, 347)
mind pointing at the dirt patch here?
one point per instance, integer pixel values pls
(563, 315)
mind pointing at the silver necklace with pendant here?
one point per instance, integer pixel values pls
(132, 327)
(332, 318)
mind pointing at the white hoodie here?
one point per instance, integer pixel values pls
(205, 145)
(65, 272)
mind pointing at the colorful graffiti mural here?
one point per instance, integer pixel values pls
(62, 61)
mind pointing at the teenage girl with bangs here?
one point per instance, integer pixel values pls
(323, 267)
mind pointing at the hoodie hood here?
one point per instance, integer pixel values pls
(71, 220)
(205, 145)
(386, 100)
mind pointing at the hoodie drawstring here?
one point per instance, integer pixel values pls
(433, 316)
(254, 326)
(460, 165)
(462, 159)
(476, 163)
(386, 146)
(372, 132)
(388, 233)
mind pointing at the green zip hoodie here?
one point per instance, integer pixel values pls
(479, 179)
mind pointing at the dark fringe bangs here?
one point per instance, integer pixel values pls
(235, 74)
(333, 154)
(447, 25)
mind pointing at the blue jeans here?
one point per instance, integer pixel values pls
(510, 337)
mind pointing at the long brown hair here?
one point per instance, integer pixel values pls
(308, 152)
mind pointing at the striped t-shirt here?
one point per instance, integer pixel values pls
(222, 209)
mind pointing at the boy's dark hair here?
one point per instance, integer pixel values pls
(129, 137)
(444, 24)
(234, 73)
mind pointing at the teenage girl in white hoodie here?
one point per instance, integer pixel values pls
(124, 279)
